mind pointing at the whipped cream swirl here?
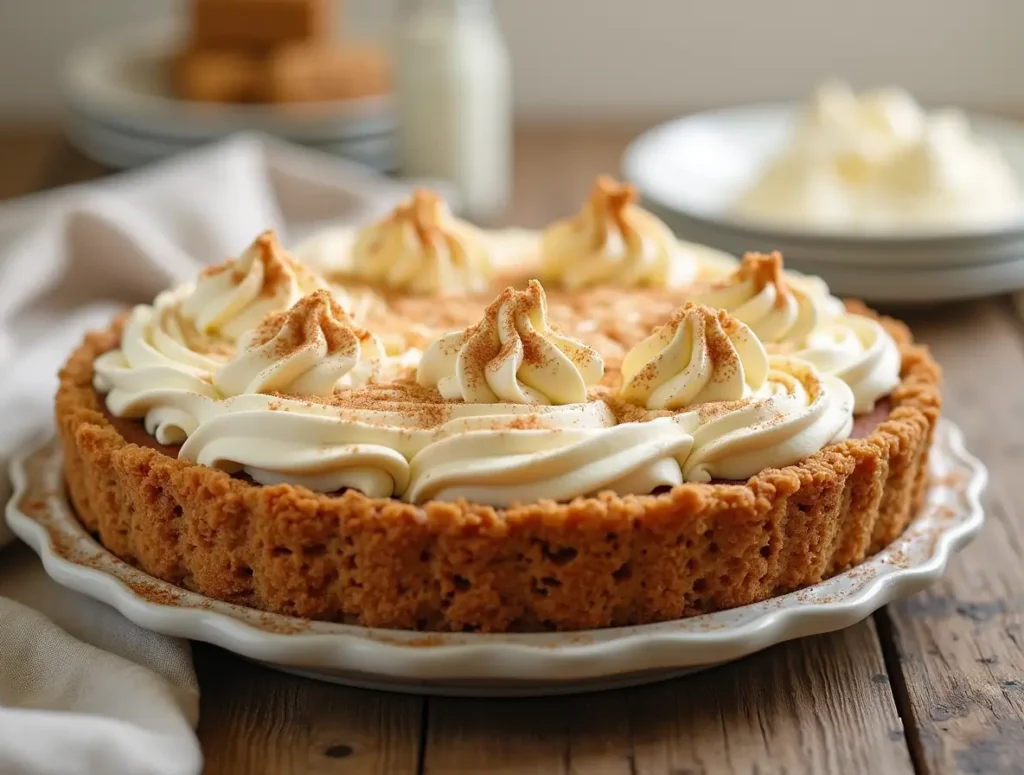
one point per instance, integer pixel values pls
(233, 298)
(612, 241)
(161, 372)
(512, 355)
(525, 463)
(700, 355)
(287, 442)
(878, 160)
(499, 413)
(947, 174)
(759, 295)
(796, 414)
(422, 248)
(795, 314)
(310, 350)
(861, 353)
(366, 442)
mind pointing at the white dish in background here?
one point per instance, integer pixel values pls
(700, 165)
(125, 150)
(118, 90)
(501, 664)
(877, 274)
(691, 171)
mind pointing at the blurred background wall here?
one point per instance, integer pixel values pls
(635, 59)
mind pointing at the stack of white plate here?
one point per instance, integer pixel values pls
(122, 111)
(691, 171)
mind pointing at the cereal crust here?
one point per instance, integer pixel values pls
(593, 562)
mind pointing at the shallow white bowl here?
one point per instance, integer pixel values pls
(125, 150)
(118, 90)
(691, 171)
(699, 165)
(501, 664)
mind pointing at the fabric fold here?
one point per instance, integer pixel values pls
(82, 689)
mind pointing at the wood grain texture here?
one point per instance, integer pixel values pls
(66, 166)
(254, 720)
(554, 169)
(582, 734)
(959, 644)
(816, 705)
(25, 157)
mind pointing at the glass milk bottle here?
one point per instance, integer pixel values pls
(455, 101)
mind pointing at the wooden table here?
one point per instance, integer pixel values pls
(933, 684)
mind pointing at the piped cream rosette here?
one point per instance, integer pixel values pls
(513, 354)
(700, 355)
(757, 294)
(746, 411)
(499, 413)
(422, 248)
(523, 458)
(514, 357)
(857, 350)
(258, 416)
(311, 350)
(797, 412)
(796, 315)
(170, 350)
(612, 241)
(161, 371)
(232, 298)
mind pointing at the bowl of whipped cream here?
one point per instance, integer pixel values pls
(882, 197)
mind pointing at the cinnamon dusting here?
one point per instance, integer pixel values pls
(711, 330)
(520, 318)
(615, 200)
(313, 316)
(761, 269)
(425, 214)
(525, 422)
(279, 268)
(425, 407)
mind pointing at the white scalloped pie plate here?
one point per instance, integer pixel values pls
(501, 664)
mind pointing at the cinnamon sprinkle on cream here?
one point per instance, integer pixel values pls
(616, 200)
(513, 333)
(421, 249)
(761, 269)
(314, 315)
(279, 268)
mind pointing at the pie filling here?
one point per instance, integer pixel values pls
(402, 369)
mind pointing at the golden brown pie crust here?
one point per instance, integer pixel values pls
(593, 562)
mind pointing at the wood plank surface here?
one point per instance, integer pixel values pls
(817, 705)
(254, 720)
(959, 644)
(554, 168)
(25, 157)
(587, 733)
(946, 663)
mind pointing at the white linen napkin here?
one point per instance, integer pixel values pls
(82, 690)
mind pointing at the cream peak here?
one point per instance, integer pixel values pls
(699, 355)
(512, 355)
